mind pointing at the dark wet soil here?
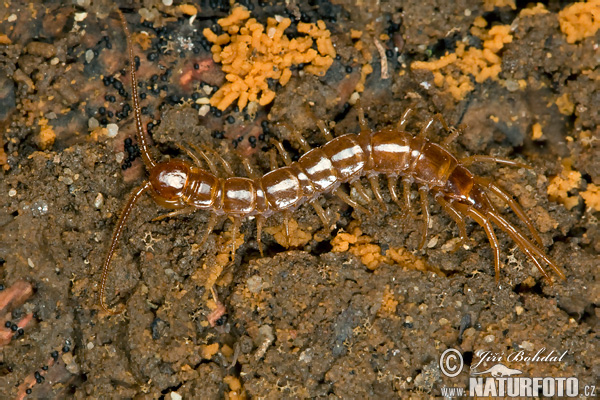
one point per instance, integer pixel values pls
(301, 323)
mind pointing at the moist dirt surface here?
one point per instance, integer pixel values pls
(302, 322)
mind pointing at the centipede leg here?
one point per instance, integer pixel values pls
(209, 162)
(489, 230)
(406, 184)
(234, 231)
(373, 180)
(226, 165)
(272, 159)
(405, 117)
(481, 158)
(212, 222)
(181, 211)
(362, 122)
(282, 152)
(515, 206)
(260, 222)
(325, 130)
(286, 224)
(348, 200)
(189, 153)
(458, 219)
(303, 142)
(425, 211)
(297, 135)
(321, 213)
(454, 133)
(361, 191)
(423, 132)
(392, 184)
(526, 246)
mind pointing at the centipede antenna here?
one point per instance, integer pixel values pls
(115, 239)
(140, 130)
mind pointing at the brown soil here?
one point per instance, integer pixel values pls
(306, 322)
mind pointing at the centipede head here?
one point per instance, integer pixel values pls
(168, 180)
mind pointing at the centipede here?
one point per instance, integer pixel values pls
(392, 153)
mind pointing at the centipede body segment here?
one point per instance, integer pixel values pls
(394, 153)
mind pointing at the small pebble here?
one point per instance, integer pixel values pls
(12, 193)
(113, 129)
(12, 18)
(204, 110)
(527, 346)
(93, 123)
(519, 310)
(89, 56)
(99, 201)
(175, 395)
(167, 2)
(489, 339)
(80, 16)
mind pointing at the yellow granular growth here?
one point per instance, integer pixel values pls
(251, 53)
(236, 391)
(561, 184)
(297, 238)
(580, 20)
(453, 71)
(489, 5)
(370, 254)
(360, 245)
(536, 131)
(565, 105)
(47, 135)
(592, 196)
(209, 350)
(389, 304)
(539, 8)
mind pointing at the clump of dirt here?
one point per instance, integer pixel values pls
(364, 315)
